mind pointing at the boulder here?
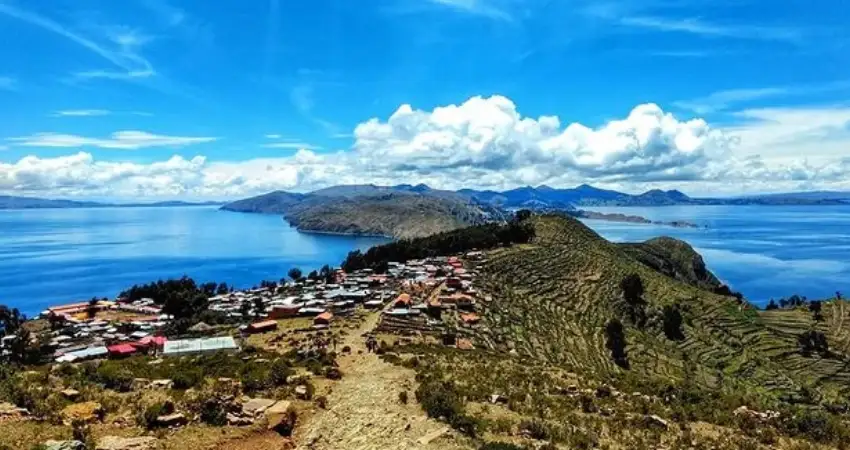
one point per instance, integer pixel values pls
(162, 384)
(86, 412)
(432, 436)
(172, 420)
(657, 421)
(281, 417)
(122, 443)
(140, 384)
(256, 406)
(10, 410)
(496, 398)
(70, 394)
(239, 420)
(302, 392)
(64, 445)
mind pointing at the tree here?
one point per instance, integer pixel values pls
(771, 306)
(632, 287)
(327, 274)
(816, 307)
(222, 289)
(245, 309)
(813, 342)
(259, 307)
(672, 319)
(838, 295)
(314, 275)
(295, 273)
(522, 215)
(10, 320)
(616, 343)
(91, 309)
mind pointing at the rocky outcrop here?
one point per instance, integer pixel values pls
(124, 443)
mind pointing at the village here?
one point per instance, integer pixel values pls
(419, 297)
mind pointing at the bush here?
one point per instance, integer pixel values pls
(147, 418)
(536, 429)
(322, 402)
(115, 377)
(499, 446)
(187, 377)
(402, 397)
(440, 400)
(279, 372)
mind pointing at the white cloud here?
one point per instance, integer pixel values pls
(119, 46)
(81, 113)
(273, 136)
(119, 140)
(699, 27)
(486, 143)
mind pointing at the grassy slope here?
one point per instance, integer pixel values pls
(551, 300)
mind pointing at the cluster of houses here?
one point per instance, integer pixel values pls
(424, 288)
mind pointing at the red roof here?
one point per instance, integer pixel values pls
(470, 318)
(325, 316)
(264, 325)
(158, 341)
(122, 349)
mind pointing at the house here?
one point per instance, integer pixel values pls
(262, 327)
(402, 301)
(121, 350)
(190, 346)
(284, 311)
(324, 318)
(470, 318)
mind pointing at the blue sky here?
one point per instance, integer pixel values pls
(156, 98)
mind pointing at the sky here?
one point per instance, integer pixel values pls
(169, 99)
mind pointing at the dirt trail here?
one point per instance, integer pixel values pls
(364, 412)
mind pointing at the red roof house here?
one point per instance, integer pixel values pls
(324, 318)
(262, 327)
(121, 350)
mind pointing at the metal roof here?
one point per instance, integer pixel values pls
(181, 346)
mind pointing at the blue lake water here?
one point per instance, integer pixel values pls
(53, 256)
(762, 251)
(62, 255)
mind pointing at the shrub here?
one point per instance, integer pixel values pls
(187, 377)
(402, 397)
(322, 402)
(536, 429)
(113, 376)
(439, 399)
(147, 418)
(280, 371)
(499, 446)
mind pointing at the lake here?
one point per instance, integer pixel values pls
(762, 251)
(54, 256)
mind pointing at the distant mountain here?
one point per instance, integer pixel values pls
(12, 202)
(399, 212)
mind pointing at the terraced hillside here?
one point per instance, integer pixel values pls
(552, 300)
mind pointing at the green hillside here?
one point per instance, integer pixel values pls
(692, 355)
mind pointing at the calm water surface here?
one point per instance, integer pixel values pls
(55, 256)
(762, 251)
(62, 255)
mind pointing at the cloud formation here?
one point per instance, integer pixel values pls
(126, 140)
(484, 142)
(81, 113)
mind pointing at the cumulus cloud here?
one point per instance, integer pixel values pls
(480, 143)
(127, 140)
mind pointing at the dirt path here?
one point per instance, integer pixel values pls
(364, 411)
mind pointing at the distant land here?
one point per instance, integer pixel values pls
(14, 202)
(395, 214)
(405, 211)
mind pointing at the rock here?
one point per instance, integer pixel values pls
(657, 421)
(140, 384)
(256, 406)
(70, 394)
(281, 417)
(239, 421)
(432, 436)
(86, 412)
(172, 420)
(10, 410)
(302, 392)
(162, 384)
(496, 398)
(121, 443)
(64, 445)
